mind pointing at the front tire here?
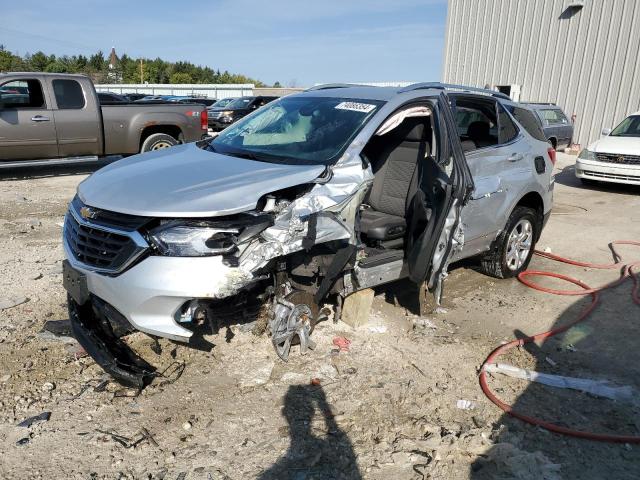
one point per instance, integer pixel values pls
(158, 141)
(513, 249)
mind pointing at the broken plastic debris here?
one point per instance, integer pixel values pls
(342, 343)
(465, 404)
(600, 388)
(43, 417)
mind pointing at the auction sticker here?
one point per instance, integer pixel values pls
(355, 107)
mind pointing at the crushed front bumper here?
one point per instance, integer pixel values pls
(95, 327)
(151, 294)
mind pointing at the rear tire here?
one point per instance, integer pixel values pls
(158, 141)
(513, 249)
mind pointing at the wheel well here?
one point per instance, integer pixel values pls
(553, 141)
(534, 201)
(172, 130)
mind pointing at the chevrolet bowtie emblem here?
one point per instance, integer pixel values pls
(620, 159)
(87, 212)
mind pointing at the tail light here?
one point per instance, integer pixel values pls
(204, 122)
(552, 155)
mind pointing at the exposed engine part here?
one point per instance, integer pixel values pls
(293, 320)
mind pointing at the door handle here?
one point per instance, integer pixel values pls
(515, 157)
(39, 118)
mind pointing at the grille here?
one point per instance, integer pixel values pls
(612, 176)
(619, 159)
(105, 243)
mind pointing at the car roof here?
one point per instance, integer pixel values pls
(541, 106)
(356, 92)
(424, 89)
(45, 74)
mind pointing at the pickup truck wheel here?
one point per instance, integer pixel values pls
(158, 141)
(513, 249)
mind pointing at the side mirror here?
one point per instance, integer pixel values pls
(606, 131)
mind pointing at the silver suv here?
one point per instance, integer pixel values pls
(300, 204)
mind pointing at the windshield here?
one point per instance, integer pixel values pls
(630, 127)
(242, 102)
(307, 130)
(222, 103)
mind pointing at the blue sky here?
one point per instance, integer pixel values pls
(292, 41)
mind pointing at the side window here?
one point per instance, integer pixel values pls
(507, 130)
(476, 121)
(527, 119)
(22, 94)
(68, 94)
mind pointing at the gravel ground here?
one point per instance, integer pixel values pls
(387, 408)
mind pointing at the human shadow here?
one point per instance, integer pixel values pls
(602, 347)
(319, 449)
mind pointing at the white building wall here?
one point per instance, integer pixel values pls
(585, 60)
(201, 90)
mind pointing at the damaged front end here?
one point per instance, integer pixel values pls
(193, 276)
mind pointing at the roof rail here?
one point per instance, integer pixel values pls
(542, 103)
(327, 86)
(449, 86)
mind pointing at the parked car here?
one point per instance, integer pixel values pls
(106, 98)
(615, 157)
(235, 110)
(555, 124)
(135, 96)
(154, 98)
(60, 118)
(203, 101)
(223, 102)
(303, 202)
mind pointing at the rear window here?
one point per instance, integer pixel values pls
(528, 120)
(552, 116)
(68, 94)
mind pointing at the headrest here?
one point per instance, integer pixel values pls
(410, 130)
(478, 130)
(415, 134)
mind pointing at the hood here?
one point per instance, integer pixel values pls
(621, 145)
(187, 181)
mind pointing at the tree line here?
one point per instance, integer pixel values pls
(127, 69)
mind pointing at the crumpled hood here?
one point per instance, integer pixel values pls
(621, 145)
(187, 181)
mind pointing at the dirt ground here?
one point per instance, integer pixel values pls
(385, 409)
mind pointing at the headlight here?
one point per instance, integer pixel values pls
(587, 154)
(226, 113)
(193, 239)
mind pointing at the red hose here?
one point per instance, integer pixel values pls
(626, 271)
